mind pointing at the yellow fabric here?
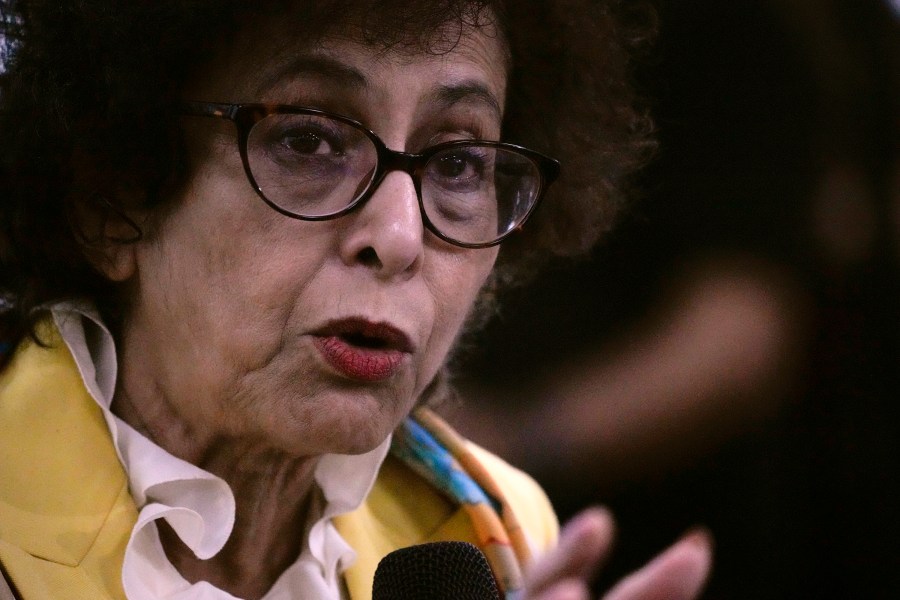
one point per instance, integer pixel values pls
(65, 511)
(403, 510)
(66, 514)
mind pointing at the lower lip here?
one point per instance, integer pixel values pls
(363, 364)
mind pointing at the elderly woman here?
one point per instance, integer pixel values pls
(238, 242)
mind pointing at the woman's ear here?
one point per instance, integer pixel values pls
(119, 262)
(108, 236)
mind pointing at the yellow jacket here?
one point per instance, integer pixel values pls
(66, 513)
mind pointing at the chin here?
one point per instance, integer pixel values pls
(363, 435)
(361, 447)
(359, 440)
(349, 424)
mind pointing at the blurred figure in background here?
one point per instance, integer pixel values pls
(731, 353)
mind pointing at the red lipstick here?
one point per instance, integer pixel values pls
(363, 350)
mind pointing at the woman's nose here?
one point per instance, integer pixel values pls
(387, 233)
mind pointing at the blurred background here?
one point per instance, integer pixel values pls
(728, 357)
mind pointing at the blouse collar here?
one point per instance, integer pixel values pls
(198, 505)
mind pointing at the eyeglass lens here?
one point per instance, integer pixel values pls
(315, 166)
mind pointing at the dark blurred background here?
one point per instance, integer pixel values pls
(728, 357)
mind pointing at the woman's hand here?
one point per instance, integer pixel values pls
(563, 574)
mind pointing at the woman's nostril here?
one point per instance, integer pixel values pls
(369, 257)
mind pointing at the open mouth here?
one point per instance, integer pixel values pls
(367, 335)
(364, 341)
(363, 350)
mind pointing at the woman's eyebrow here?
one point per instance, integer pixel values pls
(468, 92)
(314, 64)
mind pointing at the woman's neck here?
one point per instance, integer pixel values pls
(274, 496)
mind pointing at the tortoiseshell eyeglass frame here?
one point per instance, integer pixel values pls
(246, 116)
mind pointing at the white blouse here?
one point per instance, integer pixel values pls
(198, 505)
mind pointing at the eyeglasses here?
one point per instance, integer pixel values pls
(313, 165)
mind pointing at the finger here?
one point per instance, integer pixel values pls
(677, 574)
(569, 589)
(583, 544)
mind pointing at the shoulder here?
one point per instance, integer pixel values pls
(65, 510)
(405, 508)
(425, 484)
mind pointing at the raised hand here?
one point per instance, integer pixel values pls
(679, 573)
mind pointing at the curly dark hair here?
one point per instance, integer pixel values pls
(88, 108)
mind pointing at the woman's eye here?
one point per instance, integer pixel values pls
(308, 142)
(459, 167)
(452, 166)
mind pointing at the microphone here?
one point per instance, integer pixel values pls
(435, 571)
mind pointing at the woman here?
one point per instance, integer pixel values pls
(238, 246)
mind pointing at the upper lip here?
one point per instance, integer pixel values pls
(389, 336)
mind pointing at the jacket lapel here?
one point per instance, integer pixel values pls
(62, 486)
(401, 510)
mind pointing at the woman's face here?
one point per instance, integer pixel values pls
(311, 337)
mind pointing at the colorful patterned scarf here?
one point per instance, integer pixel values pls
(436, 452)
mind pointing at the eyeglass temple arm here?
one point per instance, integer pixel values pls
(209, 109)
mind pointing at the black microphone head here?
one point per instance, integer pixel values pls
(435, 571)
